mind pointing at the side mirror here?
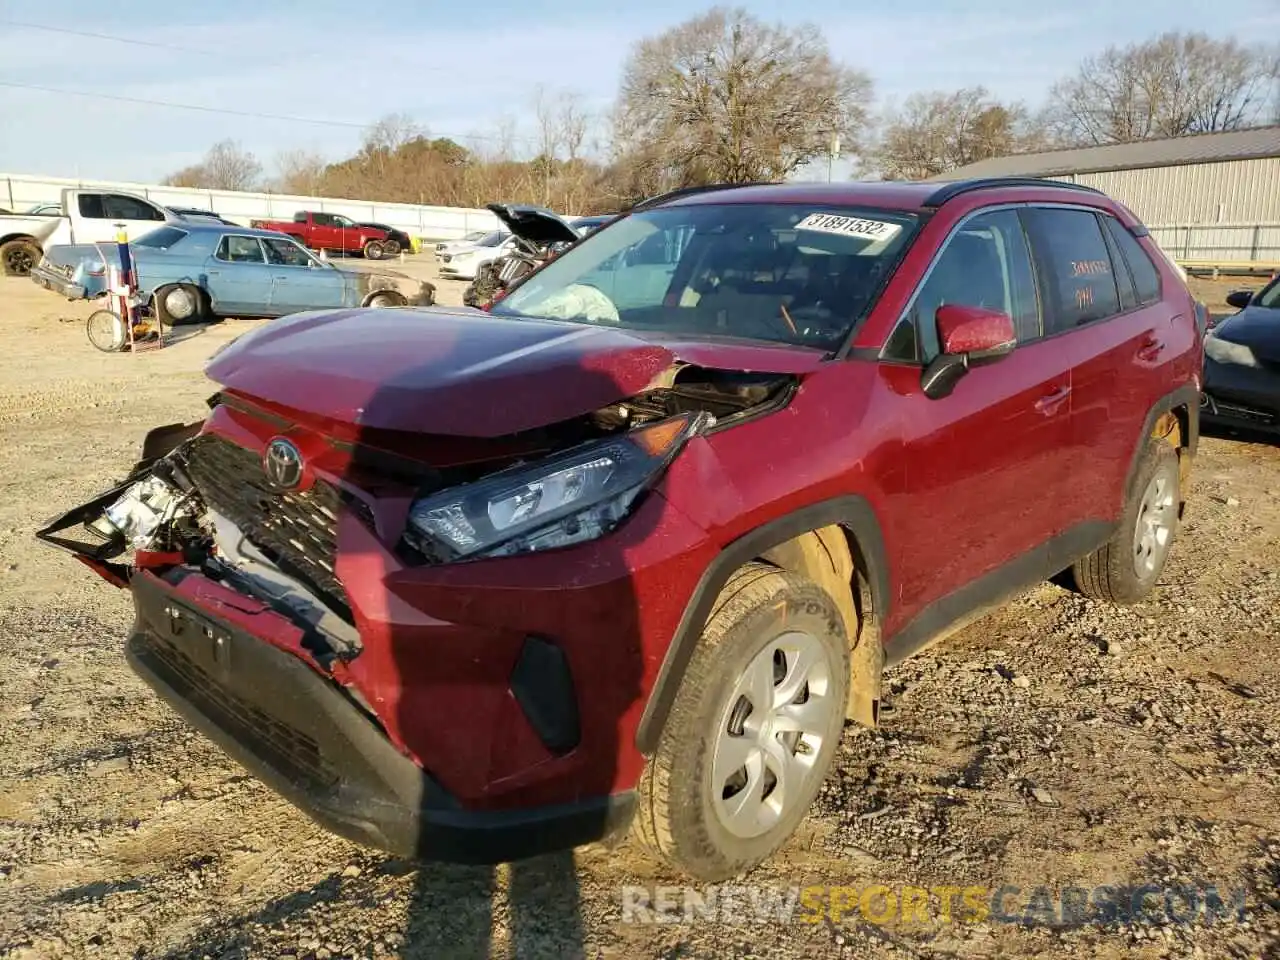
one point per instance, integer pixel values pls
(1239, 298)
(969, 337)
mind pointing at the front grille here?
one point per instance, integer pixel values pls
(280, 745)
(297, 529)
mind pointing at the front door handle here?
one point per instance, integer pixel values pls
(1051, 402)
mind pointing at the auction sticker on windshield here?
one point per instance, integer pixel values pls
(849, 226)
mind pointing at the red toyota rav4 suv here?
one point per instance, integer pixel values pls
(630, 548)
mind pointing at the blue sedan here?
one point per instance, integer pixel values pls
(199, 271)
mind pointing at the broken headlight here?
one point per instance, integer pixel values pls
(569, 498)
(139, 513)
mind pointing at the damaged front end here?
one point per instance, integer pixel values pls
(158, 518)
(393, 629)
(145, 514)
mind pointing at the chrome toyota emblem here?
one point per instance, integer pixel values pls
(282, 463)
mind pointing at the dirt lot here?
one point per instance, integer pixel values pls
(1059, 743)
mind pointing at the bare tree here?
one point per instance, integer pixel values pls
(939, 131)
(726, 97)
(299, 172)
(392, 132)
(1172, 85)
(227, 166)
(574, 122)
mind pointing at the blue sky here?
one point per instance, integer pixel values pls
(458, 68)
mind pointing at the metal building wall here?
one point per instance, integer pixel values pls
(1230, 192)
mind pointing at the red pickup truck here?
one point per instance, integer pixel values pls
(332, 231)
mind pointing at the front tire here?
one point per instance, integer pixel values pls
(754, 727)
(1125, 569)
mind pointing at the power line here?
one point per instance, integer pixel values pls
(104, 36)
(156, 45)
(241, 113)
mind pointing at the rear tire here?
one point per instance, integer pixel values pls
(373, 250)
(177, 303)
(754, 727)
(1125, 569)
(392, 248)
(18, 257)
(106, 331)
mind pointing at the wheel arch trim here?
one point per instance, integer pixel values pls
(851, 512)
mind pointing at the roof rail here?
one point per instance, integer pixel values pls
(690, 191)
(955, 188)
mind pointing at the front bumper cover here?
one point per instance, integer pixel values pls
(302, 736)
(1240, 397)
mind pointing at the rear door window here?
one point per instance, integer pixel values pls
(1146, 278)
(121, 207)
(235, 249)
(90, 206)
(1075, 263)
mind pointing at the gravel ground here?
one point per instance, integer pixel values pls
(1059, 743)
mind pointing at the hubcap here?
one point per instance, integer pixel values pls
(1156, 518)
(770, 734)
(179, 304)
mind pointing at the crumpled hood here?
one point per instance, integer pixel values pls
(463, 373)
(1257, 328)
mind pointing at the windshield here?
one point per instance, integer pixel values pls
(787, 272)
(160, 239)
(491, 239)
(1269, 296)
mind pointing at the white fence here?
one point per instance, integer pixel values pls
(19, 192)
(1223, 243)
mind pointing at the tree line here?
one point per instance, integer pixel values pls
(727, 97)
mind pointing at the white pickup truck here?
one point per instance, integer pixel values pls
(87, 216)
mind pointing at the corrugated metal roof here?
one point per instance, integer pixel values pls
(1198, 148)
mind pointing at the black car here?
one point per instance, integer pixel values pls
(198, 214)
(398, 237)
(1242, 364)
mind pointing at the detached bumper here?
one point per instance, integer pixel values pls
(1240, 397)
(300, 734)
(57, 283)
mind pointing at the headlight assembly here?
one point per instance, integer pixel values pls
(569, 498)
(1224, 351)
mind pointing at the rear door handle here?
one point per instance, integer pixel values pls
(1151, 349)
(1051, 402)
